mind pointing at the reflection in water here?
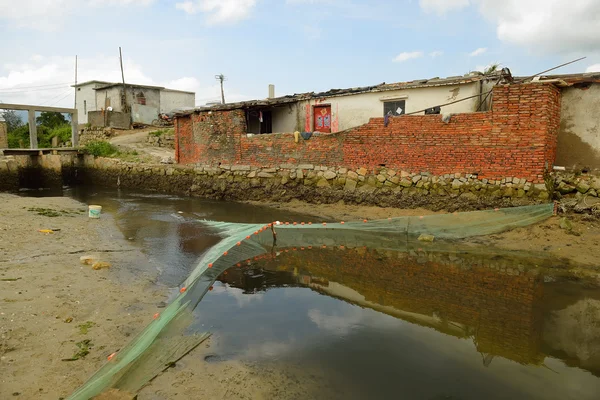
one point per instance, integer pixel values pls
(387, 321)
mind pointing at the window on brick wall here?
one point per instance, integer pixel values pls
(396, 107)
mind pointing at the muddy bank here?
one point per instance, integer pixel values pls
(53, 308)
(580, 244)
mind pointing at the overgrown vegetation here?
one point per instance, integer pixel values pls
(84, 349)
(49, 125)
(100, 148)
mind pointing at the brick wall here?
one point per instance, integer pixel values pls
(516, 139)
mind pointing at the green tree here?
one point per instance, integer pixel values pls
(13, 121)
(51, 119)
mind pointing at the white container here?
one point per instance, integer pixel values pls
(94, 211)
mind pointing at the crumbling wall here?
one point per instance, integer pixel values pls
(517, 139)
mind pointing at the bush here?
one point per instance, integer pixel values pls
(19, 137)
(100, 149)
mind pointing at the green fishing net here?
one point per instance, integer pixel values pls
(167, 338)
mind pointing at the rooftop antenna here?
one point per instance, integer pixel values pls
(221, 78)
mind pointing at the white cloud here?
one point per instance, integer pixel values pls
(47, 80)
(219, 11)
(405, 56)
(441, 7)
(435, 54)
(549, 25)
(49, 15)
(593, 68)
(478, 52)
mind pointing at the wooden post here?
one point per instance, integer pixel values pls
(33, 142)
(74, 129)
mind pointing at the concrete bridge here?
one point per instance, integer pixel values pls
(31, 109)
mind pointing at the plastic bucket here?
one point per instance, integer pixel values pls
(94, 211)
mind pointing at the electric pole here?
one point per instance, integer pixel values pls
(221, 78)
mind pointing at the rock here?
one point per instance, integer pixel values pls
(101, 265)
(299, 174)
(350, 184)
(565, 224)
(583, 187)
(285, 180)
(456, 184)
(372, 181)
(416, 178)
(404, 174)
(343, 170)
(426, 238)
(405, 183)
(595, 184)
(395, 180)
(306, 166)
(352, 175)
(544, 196)
(323, 183)
(468, 196)
(362, 171)
(564, 188)
(167, 160)
(509, 192)
(381, 178)
(86, 260)
(240, 168)
(287, 166)
(255, 182)
(391, 173)
(252, 174)
(329, 175)
(265, 175)
(593, 193)
(270, 170)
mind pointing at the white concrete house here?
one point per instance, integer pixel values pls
(145, 101)
(341, 109)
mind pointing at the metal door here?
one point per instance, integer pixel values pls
(322, 119)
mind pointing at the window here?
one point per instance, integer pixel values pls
(396, 107)
(85, 107)
(141, 99)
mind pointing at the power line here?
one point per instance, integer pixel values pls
(33, 87)
(34, 90)
(68, 91)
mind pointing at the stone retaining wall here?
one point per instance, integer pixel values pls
(165, 140)
(95, 134)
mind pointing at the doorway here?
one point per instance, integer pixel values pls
(322, 118)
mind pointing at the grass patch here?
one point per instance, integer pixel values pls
(46, 212)
(100, 148)
(84, 349)
(160, 132)
(84, 328)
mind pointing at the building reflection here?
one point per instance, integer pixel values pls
(499, 303)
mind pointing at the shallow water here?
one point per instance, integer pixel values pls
(425, 322)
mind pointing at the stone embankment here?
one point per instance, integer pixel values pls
(321, 184)
(312, 183)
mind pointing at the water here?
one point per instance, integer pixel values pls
(415, 323)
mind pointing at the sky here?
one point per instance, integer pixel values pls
(297, 45)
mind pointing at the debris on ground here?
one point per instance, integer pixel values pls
(86, 260)
(101, 265)
(565, 224)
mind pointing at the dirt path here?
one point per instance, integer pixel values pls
(138, 140)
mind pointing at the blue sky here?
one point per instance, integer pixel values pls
(298, 45)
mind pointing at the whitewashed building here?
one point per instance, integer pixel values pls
(146, 102)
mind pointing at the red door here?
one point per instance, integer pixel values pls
(322, 119)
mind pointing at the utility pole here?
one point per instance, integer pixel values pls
(221, 78)
(75, 82)
(124, 98)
